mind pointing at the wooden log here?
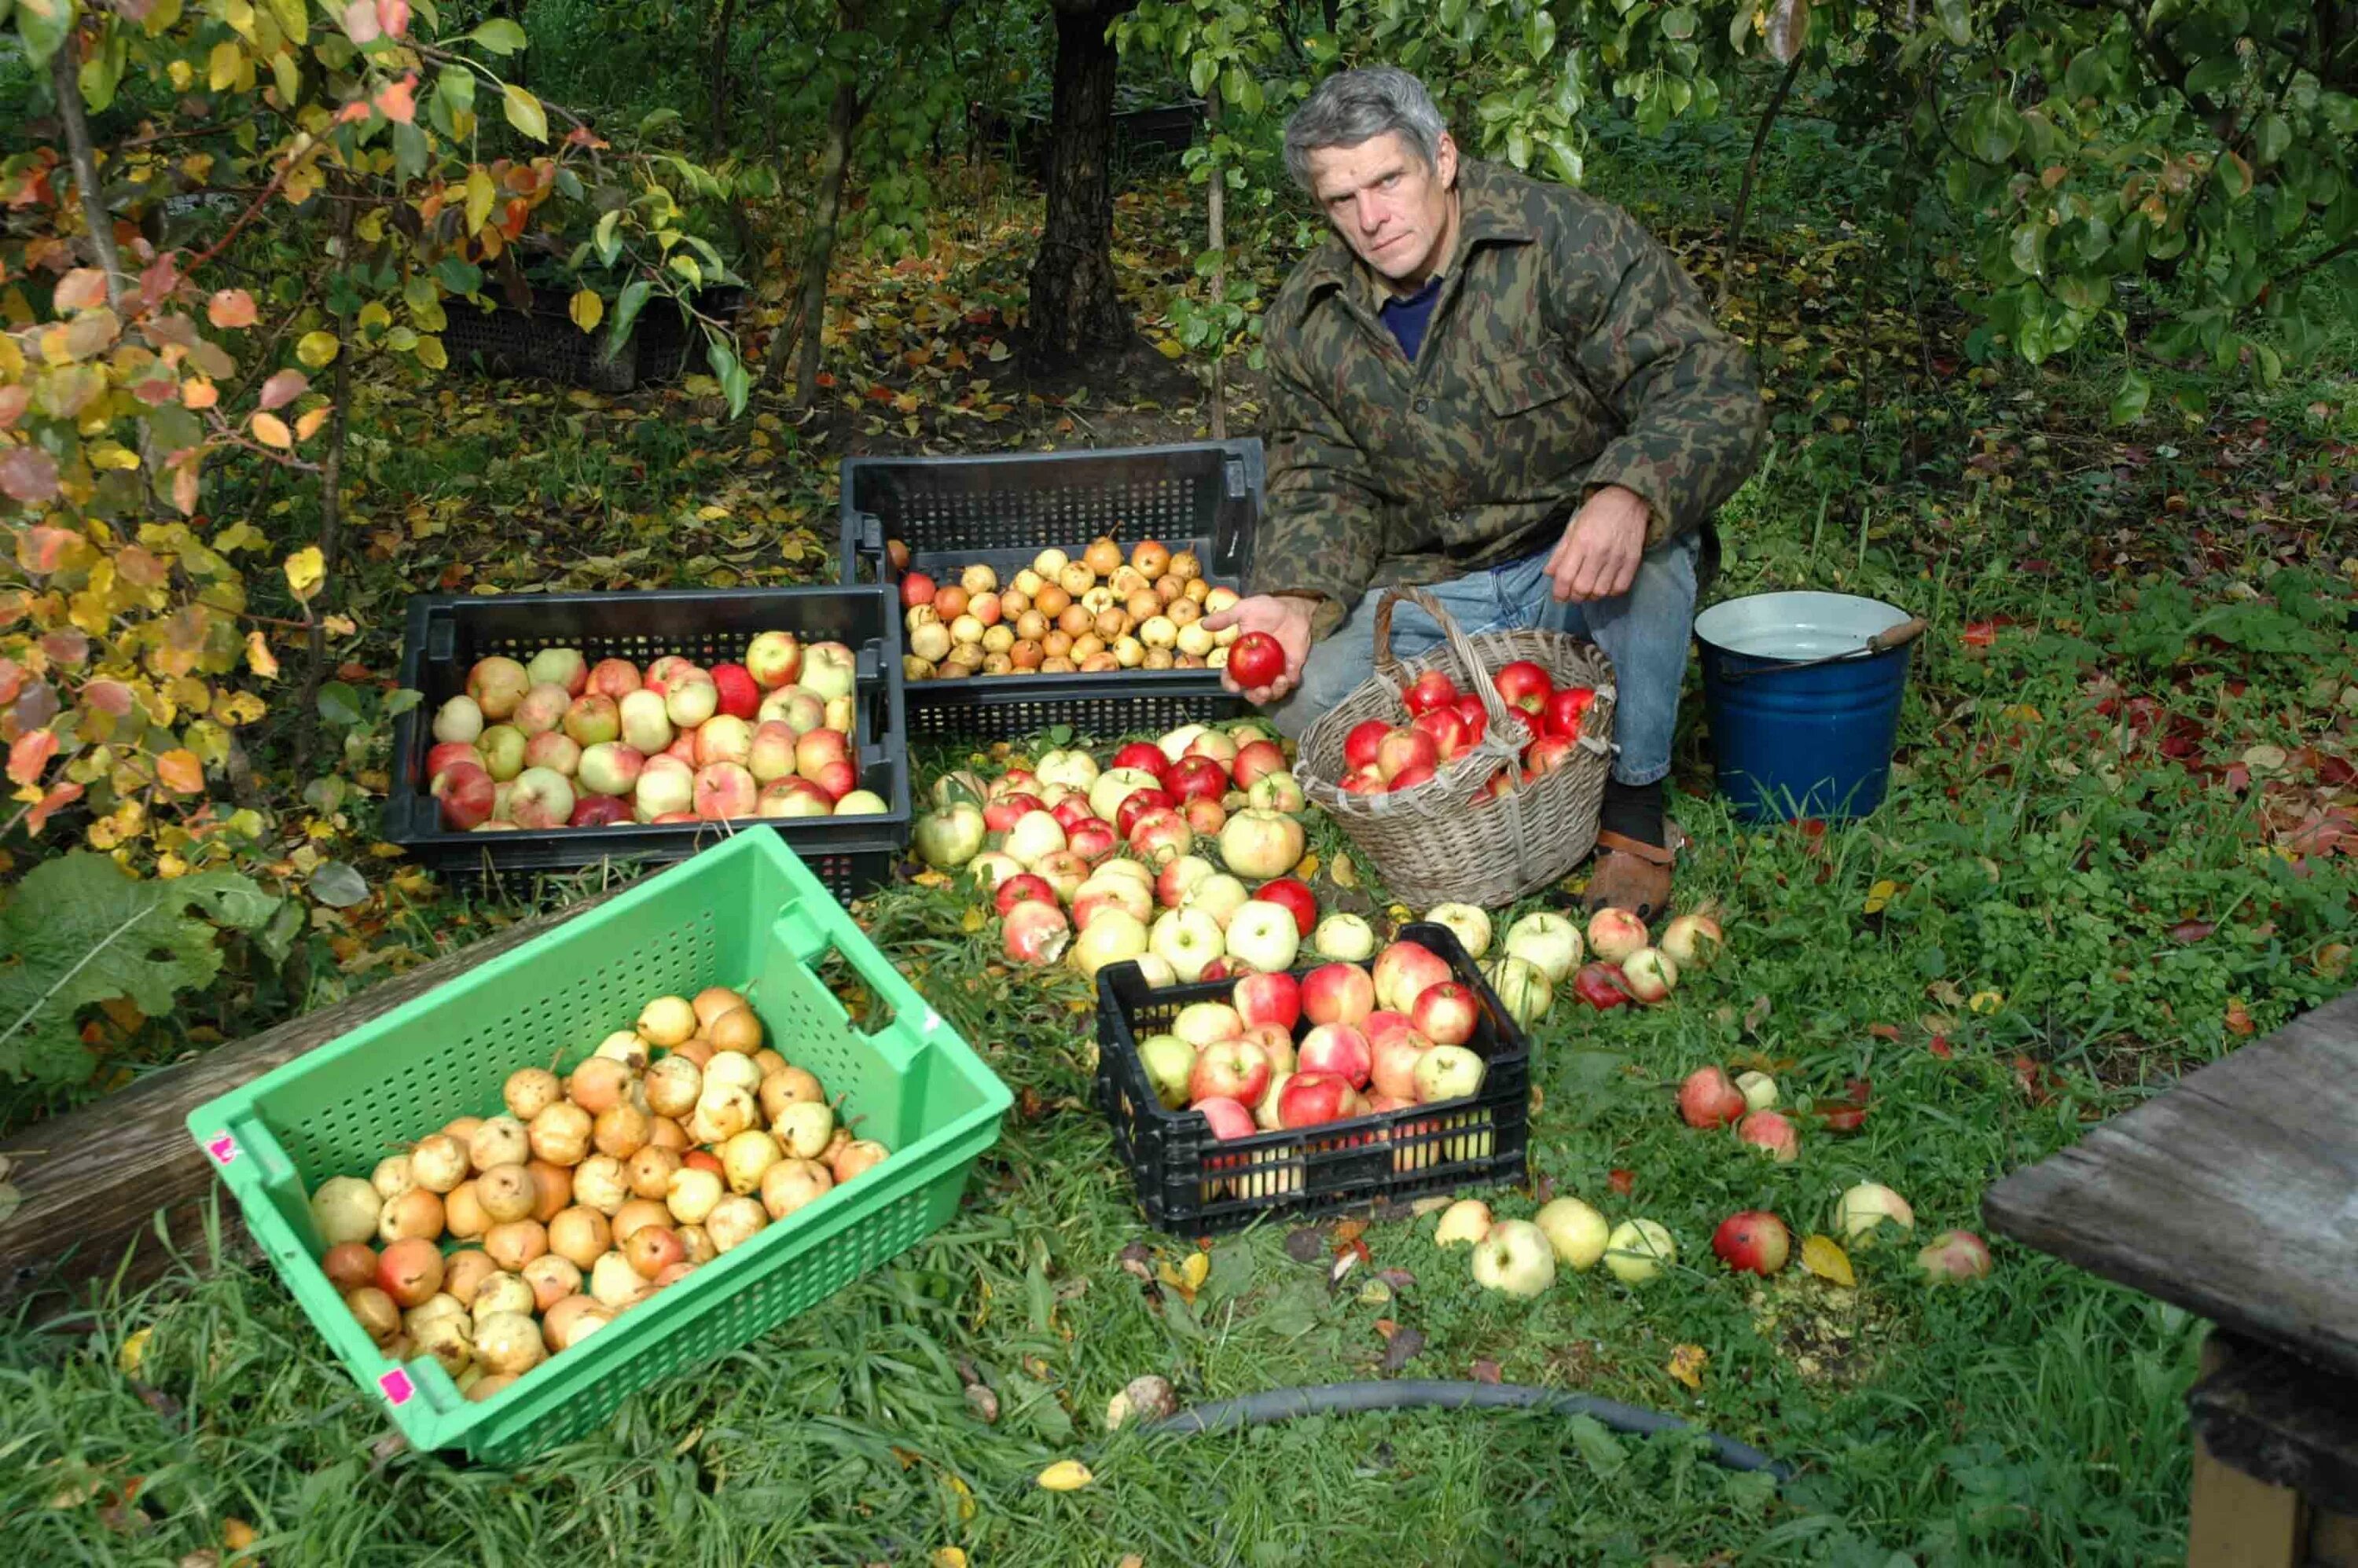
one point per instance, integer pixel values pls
(106, 1178)
(2230, 1195)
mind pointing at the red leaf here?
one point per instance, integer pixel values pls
(397, 102)
(28, 475)
(2239, 1023)
(283, 388)
(1979, 633)
(1884, 1031)
(1486, 1371)
(108, 697)
(1621, 1181)
(230, 309)
(2191, 930)
(2336, 771)
(31, 753)
(68, 646)
(1939, 1046)
(84, 288)
(393, 17)
(57, 800)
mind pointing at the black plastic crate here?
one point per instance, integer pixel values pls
(544, 341)
(447, 632)
(1191, 1184)
(1004, 511)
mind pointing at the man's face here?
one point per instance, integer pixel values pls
(1387, 204)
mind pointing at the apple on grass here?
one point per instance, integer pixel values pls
(1279, 790)
(1953, 1257)
(1187, 940)
(1174, 882)
(1061, 870)
(1865, 1207)
(1548, 940)
(1770, 1133)
(1110, 937)
(1161, 836)
(1470, 925)
(1759, 1089)
(1258, 844)
(1296, 895)
(1265, 936)
(1344, 936)
(1708, 1099)
(1650, 975)
(1514, 1257)
(1463, 1223)
(1170, 1064)
(1220, 895)
(1577, 1232)
(1036, 933)
(1638, 1250)
(1614, 934)
(1256, 757)
(1118, 894)
(1753, 1241)
(1022, 887)
(1521, 987)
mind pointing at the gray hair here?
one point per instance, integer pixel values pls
(1354, 106)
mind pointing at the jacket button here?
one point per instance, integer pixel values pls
(1422, 405)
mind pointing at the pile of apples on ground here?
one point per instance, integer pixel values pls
(559, 743)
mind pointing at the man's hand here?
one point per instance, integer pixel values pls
(1284, 618)
(1597, 556)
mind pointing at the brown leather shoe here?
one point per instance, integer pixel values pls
(1627, 874)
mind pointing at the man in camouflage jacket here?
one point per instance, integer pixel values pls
(1510, 393)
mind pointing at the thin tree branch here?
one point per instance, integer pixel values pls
(65, 82)
(1751, 171)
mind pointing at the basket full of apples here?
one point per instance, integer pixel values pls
(1314, 1088)
(561, 729)
(1473, 772)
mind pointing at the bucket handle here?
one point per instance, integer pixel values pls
(1883, 642)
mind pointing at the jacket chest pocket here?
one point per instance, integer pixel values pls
(1524, 383)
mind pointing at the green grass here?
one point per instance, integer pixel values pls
(2080, 904)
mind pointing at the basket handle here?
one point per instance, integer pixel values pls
(1459, 644)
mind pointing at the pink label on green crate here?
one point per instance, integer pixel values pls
(221, 1147)
(398, 1387)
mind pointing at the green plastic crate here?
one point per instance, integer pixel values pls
(745, 912)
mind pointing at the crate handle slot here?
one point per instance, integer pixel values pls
(799, 936)
(1232, 473)
(871, 538)
(441, 639)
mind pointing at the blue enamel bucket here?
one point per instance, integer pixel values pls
(1802, 691)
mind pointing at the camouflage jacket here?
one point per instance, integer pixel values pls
(1567, 350)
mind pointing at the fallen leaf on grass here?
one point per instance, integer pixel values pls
(1621, 1181)
(134, 1352)
(1687, 1362)
(2239, 1023)
(1486, 1371)
(1823, 1255)
(1065, 1475)
(1400, 1347)
(1307, 1244)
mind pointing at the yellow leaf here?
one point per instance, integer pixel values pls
(973, 921)
(430, 354)
(1986, 1002)
(271, 431)
(304, 570)
(198, 393)
(1687, 1362)
(1343, 873)
(709, 513)
(1065, 1475)
(587, 310)
(1879, 895)
(221, 65)
(1307, 868)
(1823, 1255)
(307, 425)
(180, 771)
(317, 350)
(258, 656)
(2021, 713)
(965, 1499)
(480, 196)
(110, 455)
(948, 1557)
(525, 113)
(1196, 1270)
(134, 1352)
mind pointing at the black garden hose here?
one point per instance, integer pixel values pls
(1434, 1393)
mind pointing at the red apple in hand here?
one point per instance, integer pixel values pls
(1524, 685)
(1256, 660)
(1359, 745)
(1429, 690)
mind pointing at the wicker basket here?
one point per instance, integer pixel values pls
(1440, 839)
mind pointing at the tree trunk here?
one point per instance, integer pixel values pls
(716, 79)
(1751, 171)
(818, 250)
(65, 80)
(1216, 226)
(1075, 305)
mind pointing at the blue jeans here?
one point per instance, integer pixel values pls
(1644, 632)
